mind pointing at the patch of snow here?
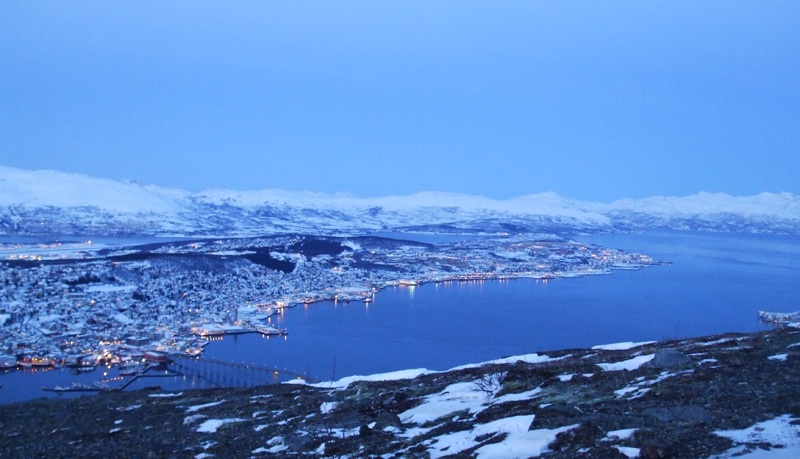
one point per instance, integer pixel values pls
(212, 425)
(193, 418)
(167, 395)
(629, 365)
(780, 438)
(517, 397)
(628, 451)
(275, 446)
(715, 342)
(626, 390)
(455, 397)
(327, 407)
(565, 377)
(391, 376)
(520, 442)
(621, 434)
(192, 409)
(455, 442)
(207, 444)
(637, 385)
(130, 408)
(527, 358)
(114, 430)
(345, 433)
(780, 357)
(271, 450)
(624, 346)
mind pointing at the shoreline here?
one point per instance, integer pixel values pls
(675, 398)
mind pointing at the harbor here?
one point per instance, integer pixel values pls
(212, 372)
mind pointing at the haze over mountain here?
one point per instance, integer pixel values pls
(48, 202)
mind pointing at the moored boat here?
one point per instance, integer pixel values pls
(271, 330)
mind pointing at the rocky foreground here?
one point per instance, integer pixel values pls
(720, 396)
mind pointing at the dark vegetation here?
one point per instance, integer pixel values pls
(694, 388)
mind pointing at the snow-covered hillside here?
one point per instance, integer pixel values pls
(56, 203)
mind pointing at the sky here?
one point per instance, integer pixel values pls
(592, 100)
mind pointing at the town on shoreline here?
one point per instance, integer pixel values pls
(86, 304)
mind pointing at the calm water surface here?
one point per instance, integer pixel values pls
(716, 283)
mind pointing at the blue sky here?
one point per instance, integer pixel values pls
(592, 100)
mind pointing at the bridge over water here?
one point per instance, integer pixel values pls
(220, 373)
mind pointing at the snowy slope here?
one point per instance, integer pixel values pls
(50, 202)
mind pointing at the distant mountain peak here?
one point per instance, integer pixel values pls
(52, 202)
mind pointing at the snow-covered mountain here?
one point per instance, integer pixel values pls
(56, 203)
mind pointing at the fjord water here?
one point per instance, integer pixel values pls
(716, 283)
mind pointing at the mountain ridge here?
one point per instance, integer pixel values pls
(56, 203)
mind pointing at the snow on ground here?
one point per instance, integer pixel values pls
(517, 397)
(456, 442)
(629, 365)
(212, 425)
(391, 376)
(780, 357)
(193, 418)
(527, 358)
(780, 438)
(718, 341)
(520, 442)
(167, 395)
(327, 407)
(621, 434)
(275, 446)
(455, 397)
(565, 377)
(195, 408)
(130, 408)
(628, 451)
(624, 346)
(207, 444)
(638, 384)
